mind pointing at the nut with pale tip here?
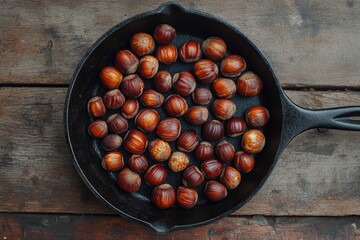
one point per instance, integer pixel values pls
(202, 96)
(224, 88)
(169, 129)
(96, 107)
(117, 123)
(164, 33)
(225, 151)
(232, 66)
(98, 129)
(212, 168)
(138, 163)
(249, 84)
(175, 105)
(253, 141)
(230, 177)
(223, 109)
(152, 99)
(162, 81)
(147, 120)
(206, 71)
(114, 99)
(235, 127)
(183, 83)
(213, 130)
(110, 77)
(187, 141)
(204, 151)
(135, 142)
(166, 53)
(142, 44)
(243, 162)
(132, 86)
(113, 161)
(197, 115)
(163, 196)
(111, 142)
(190, 51)
(148, 66)
(130, 108)
(214, 48)
(192, 177)
(257, 116)
(155, 175)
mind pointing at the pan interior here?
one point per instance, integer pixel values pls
(87, 151)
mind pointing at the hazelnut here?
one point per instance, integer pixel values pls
(249, 84)
(253, 141)
(110, 77)
(178, 161)
(166, 53)
(187, 141)
(214, 48)
(202, 96)
(192, 177)
(197, 115)
(159, 150)
(224, 88)
(235, 127)
(117, 123)
(164, 33)
(213, 130)
(98, 129)
(232, 66)
(257, 116)
(142, 44)
(111, 142)
(114, 99)
(175, 105)
(130, 108)
(128, 180)
(148, 66)
(215, 191)
(162, 81)
(211, 168)
(223, 109)
(206, 71)
(135, 142)
(230, 177)
(113, 161)
(169, 129)
(186, 197)
(147, 120)
(96, 107)
(138, 163)
(126, 62)
(155, 175)
(132, 86)
(163, 196)
(183, 83)
(243, 162)
(190, 51)
(204, 151)
(152, 99)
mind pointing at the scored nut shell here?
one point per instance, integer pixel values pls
(190, 51)
(166, 53)
(162, 81)
(211, 168)
(214, 48)
(204, 151)
(235, 127)
(96, 107)
(230, 177)
(257, 116)
(232, 66)
(224, 88)
(98, 129)
(164, 33)
(206, 71)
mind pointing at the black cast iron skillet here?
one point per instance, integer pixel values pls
(287, 119)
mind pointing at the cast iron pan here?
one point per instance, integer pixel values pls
(287, 119)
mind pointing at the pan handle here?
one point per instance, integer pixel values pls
(298, 119)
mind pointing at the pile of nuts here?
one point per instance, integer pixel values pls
(220, 162)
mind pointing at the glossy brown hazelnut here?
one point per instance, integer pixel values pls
(230, 177)
(126, 62)
(192, 177)
(166, 53)
(224, 88)
(155, 175)
(215, 191)
(211, 168)
(253, 141)
(164, 33)
(112, 161)
(138, 163)
(169, 129)
(190, 51)
(197, 115)
(175, 105)
(111, 142)
(225, 151)
(132, 86)
(186, 197)
(213, 130)
(159, 150)
(183, 83)
(178, 161)
(147, 120)
(128, 180)
(206, 71)
(235, 127)
(257, 116)
(114, 99)
(117, 123)
(135, 142)
(163, 196)
(223, 109)
(214, 48)
(148, 66)
(96, 107)
(110, 77)
(162, 81)
(232, 66)
(249, 84)
(152, 99)
(130, 108)
(98, 129)
(204, 151)
(202, 96)
(187, 141)
(142, 44)
(243, 162)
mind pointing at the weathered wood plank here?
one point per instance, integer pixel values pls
(318, 174)
(42, 226)
(308, 43)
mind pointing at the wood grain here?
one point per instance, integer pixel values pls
(312, 43)
(318, 174)
(42, 226)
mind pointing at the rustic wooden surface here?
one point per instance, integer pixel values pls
(313, 192)
(308, 42)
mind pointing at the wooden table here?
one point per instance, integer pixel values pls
(314, 191)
